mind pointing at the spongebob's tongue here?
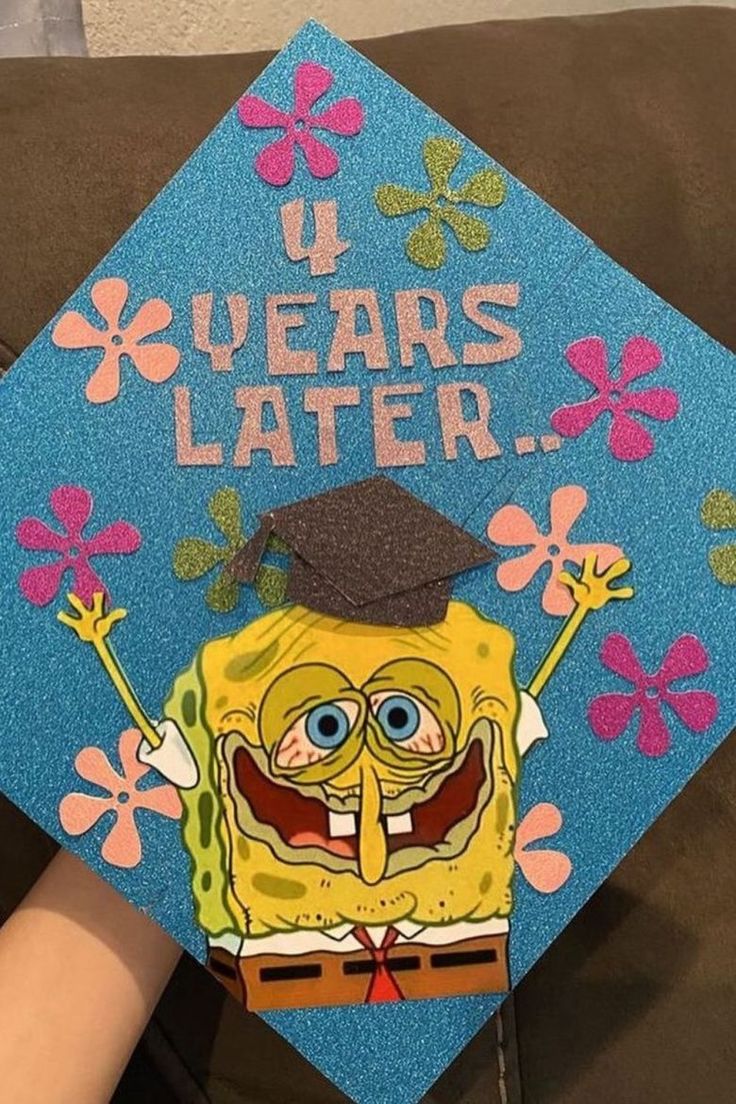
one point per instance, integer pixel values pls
(343, 847)
(372, 847)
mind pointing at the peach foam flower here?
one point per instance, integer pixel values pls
(546, 870)
(511, 526)
(156, 361)
(78, 812)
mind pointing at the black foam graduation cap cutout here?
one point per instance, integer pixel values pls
(369, 551)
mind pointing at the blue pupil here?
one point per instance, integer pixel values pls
(327, 726)
(398, 716)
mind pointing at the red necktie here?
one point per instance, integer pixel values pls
(383, 986)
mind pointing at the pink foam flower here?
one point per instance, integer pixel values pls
(275, 163)
(627, 438)
(78, 812)
(72, 507)
(610, 714)
(546, 870)
(512, 526)
(156, 361)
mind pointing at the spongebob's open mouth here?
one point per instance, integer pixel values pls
(302, 827)
(307, 822)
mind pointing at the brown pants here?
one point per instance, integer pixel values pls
(267, 981)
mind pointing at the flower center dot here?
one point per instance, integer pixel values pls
(553, 550)
(123, 798)
(652, 692)
(117, 339)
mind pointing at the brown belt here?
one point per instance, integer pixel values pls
(267, 981)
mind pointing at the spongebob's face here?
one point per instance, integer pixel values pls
(366, 773)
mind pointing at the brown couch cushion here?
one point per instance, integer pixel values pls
(625, 123)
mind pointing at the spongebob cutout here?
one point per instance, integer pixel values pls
(350, 787)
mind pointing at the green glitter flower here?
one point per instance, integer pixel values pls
(718, 511)
(426, 244)
(194, 557)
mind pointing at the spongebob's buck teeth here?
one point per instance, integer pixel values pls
(400, 824)
(342, 824)
(346, 824)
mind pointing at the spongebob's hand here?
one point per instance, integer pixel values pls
(592, 590)
(92, 625)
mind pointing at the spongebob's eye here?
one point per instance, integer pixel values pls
(398, 716)
(408, 722)
(328, 726)
(317, 733)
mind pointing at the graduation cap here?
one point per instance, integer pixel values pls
(369, 551)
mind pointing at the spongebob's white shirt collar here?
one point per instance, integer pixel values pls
(435, 935)
(408, 929)
(341, 938)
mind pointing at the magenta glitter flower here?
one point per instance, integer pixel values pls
(275, 163)
(627, 438)
(610, 714)
(72, 507)
(78, 812)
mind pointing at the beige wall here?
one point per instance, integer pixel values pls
(232, 26)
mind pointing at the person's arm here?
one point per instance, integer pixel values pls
(81, 971)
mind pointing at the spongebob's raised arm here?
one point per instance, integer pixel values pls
(591, 590)
(164, 748)
(93, 625)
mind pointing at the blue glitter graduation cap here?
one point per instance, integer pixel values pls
(338, 286)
